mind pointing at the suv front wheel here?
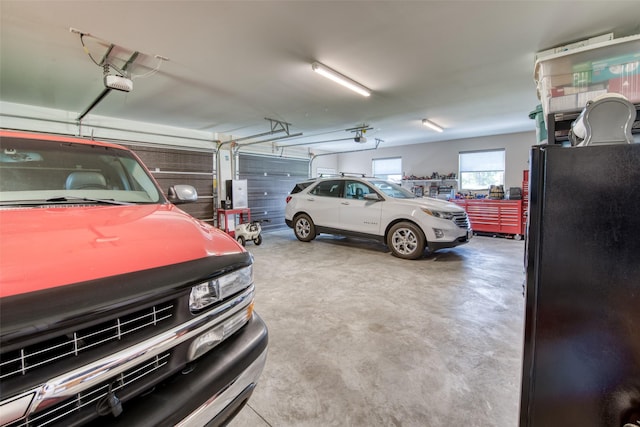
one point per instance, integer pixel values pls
(406, 240)
(304, 228)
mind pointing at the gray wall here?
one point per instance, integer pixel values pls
(442, 157)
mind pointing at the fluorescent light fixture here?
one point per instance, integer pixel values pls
(432, 125)
(327, 72)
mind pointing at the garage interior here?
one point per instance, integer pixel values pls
(224, 90)
(357, 338)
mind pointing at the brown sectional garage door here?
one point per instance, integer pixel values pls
(170, 166)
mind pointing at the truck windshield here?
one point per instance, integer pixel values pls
(39, 172)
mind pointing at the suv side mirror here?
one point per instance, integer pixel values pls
(372, 196)
(181, 193)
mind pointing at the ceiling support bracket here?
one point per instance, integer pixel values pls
(294, 135)
(277, 126)
(106, 90)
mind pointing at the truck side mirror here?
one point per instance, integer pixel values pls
(181, 193)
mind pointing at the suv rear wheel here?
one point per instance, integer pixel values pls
(304, 229)
(406, 240)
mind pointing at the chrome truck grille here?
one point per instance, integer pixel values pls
(87, 401)
(24, 360)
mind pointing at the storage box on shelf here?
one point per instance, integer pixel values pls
(567, 80)
(575, 45)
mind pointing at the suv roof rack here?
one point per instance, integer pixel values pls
(343, 174)
(361, 175)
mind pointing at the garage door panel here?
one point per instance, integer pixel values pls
(175, 160)
(269, 181)
(203, 183)
(171, 166)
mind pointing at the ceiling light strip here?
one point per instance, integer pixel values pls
(432, 125)
(335, 76)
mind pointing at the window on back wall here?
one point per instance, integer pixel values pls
(481, 169)
(389, 169)
(325, 172)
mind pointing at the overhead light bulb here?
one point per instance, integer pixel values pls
(432, 125)
(327, 72)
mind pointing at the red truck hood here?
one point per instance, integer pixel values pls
(47, 247)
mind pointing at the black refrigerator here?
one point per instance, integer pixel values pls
(581, 360)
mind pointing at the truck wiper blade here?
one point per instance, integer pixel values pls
(63, 199)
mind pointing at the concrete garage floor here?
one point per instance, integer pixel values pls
(361, 338)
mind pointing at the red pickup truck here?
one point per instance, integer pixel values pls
(116, 307)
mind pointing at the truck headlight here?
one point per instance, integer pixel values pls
(216, 335)
(214, 290)
(438, 214)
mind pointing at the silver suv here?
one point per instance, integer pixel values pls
(377, 209)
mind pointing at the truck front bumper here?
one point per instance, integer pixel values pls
(210, 394)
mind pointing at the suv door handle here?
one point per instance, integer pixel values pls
(344, 203)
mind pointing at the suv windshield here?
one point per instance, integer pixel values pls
(392, 190)
(34, 171)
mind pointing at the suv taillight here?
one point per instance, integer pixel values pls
(288, 198)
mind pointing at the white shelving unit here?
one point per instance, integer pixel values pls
(427, 184)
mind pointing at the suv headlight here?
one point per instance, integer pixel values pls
(209, 292)
(438, 214)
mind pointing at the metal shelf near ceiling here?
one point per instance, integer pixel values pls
(559, 125)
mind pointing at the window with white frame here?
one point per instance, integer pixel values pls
(389, 169)
(481, 169)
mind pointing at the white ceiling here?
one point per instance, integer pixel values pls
(466, 65)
